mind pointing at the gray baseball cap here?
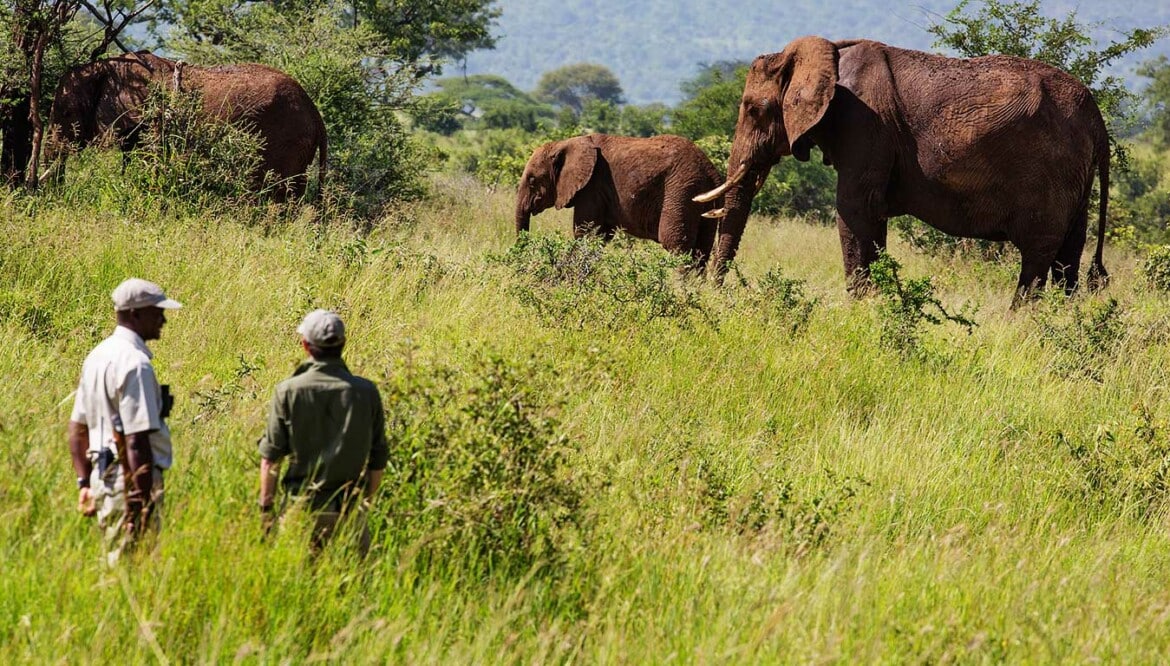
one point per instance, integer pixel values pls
(138, 293)
(322, 328)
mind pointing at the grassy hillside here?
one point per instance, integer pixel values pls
(654, 45)
(755, 486)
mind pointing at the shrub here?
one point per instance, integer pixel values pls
(1155, 268)
(781, 301)
(906, 305)
(772, 510)
(185, 155)
(480, 474)
(584, 282)
(1082, 337)
(792, 188)
(1122, 467)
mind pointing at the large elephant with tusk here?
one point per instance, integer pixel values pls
(108, 96)
(997, 148)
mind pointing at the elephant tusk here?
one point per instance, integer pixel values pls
(718, 191)
(718, 213)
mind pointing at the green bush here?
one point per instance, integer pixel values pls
(792, 188)
(1155, 267)
(1083, 337)
(580, 283)
(906, 305)
(185, 155)
(1123, 467)
(479, 474)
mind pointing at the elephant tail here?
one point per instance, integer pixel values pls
(1098, 276)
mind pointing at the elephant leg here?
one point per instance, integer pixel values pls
(704, 241)
(1033, 275)
(1066, 267)
(679, 232)
(861, 244)
(591, 217)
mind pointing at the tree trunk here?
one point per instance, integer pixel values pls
(17, 133)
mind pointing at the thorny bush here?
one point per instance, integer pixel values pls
(585, 282)
(480, 471)
(906, 305)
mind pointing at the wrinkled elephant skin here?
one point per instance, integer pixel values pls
(997, 148)
(643, 186)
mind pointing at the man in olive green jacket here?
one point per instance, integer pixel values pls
(330, 424)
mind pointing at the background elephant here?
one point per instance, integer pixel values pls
(997, 147)
(107, 95)
(642, 186)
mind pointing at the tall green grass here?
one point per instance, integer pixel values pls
(750, 490)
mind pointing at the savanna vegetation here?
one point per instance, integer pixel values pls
(595, 457)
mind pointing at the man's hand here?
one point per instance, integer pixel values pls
(267, 520)
(86, 503)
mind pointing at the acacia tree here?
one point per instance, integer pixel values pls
(572, 86)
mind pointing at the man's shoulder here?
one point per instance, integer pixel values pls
(364, 384)
(115, 350)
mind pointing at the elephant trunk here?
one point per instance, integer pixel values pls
(523, 213)
(744, 178)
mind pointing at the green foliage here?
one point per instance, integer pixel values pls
(711, 107)
(792, 188)
(1157, 97)
(1083, 337)
(1123, 468)
(585, 283)
(481, 100)
(781, 301)
(1155, 268)
(572, 86)
(623, 120)
(1021, 29)
(184, 155)
(413, 38)
(479, 468)
(501, 159)
(906, 305)
(1141, 197)
(771, 510)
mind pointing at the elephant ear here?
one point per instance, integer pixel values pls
(573, 165)
(807, 83)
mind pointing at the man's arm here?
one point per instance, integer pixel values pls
(140, 484)
(379, 450)
(269, 471)
(79, 451)
(373, 480)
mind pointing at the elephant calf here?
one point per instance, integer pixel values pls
(641, 186)
(107, 96)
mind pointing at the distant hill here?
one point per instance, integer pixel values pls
(654, 45)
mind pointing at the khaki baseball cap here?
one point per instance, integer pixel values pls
(322, 328)
(138, 293)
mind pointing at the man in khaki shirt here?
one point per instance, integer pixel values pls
(330, 424)
(118, 435)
